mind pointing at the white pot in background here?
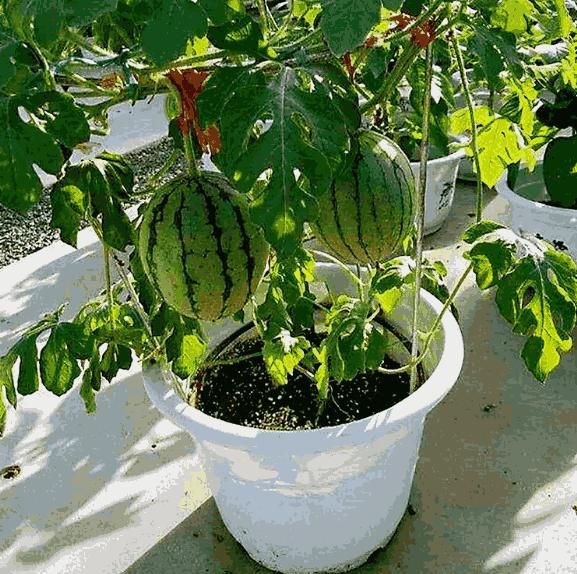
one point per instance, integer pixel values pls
(319, 500)
(441, 179)
(528, 216)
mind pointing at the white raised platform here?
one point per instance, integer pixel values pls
(494, 492)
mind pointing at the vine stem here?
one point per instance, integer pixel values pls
(262, 12)
(403, 64)
(421, 212)
(344, 267)
(474, 140)
(106, 254)
(154, 179)
(139, 309)
(217, 55)
(189, 154)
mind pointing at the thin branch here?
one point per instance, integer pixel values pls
(421, 212)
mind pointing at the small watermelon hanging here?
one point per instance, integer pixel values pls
(369, 210)
(199, 248)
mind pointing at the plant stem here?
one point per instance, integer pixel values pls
(403, 64)
(262, 12)
(79, 40)
(446, 307)
(184, 62)
(344, 267)
(189, 154)
(421, 212)
(474, 142)
(106, 253)
(152, 182)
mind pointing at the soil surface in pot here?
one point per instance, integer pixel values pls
(243, 393)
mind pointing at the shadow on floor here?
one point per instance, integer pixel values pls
(65, 473)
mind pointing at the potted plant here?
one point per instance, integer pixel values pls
(207, 249)
(543, 198)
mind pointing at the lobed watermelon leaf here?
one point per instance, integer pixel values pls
(536, 291)
(222, 11)
(283, 354)
(95, 187)
(498, 142)
(303, 140)
(47, 17)
(173, 23)
(343, 33)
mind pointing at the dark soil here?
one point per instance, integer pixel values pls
(244, 394)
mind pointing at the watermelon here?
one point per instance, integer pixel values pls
(199, 248)
(369, 210)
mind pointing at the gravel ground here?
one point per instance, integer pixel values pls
(21, 235)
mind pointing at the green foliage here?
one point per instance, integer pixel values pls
(536, 291)
(304, 136)
(54, 120)
(172, 24)
(288, 75)
(498, 140)
(560, 171)
(342, 32)
(94, 188)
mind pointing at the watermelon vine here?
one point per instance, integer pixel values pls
(279, 98)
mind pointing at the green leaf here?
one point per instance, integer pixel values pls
(68, 204)
(560, 171)
(87, 392)
(22, 145)
(564, 18)
(60, 117)
(101, 183)
(6, 380)
(243, 36)
(185, 348)
(174, 22)
(539, 308)
(58, 367)
(388, 284)
(28, 369)
(498, 142)
(497, 49)
(513, 15)
(283, 354)
(48, 17)
(536, 293)
(222, 11)
(491, 262)
(480, 229)
(19, 67)
(346, 23)
(3, 415)
(304, 136)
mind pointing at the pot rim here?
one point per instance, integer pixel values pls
(458, 154)
(416, 405)
(503, 189)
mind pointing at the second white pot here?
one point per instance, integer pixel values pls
(528, 215)
(440, 191)
(303, 502)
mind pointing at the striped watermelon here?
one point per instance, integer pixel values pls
(369, 209)
(199, 248)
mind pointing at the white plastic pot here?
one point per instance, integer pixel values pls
(318, 500)
(528, 216)
(440, 191)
